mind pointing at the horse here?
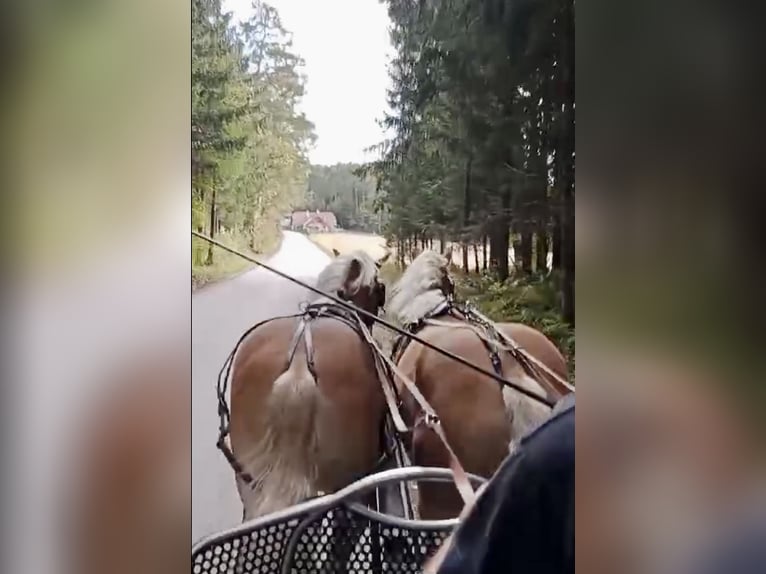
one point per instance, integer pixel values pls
(306, 402)
(480, 417)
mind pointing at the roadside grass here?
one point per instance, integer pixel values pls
(532, 300)
(225, 264)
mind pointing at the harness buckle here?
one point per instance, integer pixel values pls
(431, 419)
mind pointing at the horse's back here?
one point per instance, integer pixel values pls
(538, 345)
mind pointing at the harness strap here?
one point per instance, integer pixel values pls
(293, 348)
(308, 340)
(430, 419)
(516, 348)
(510, 346)
(403, 341)
(303, 331)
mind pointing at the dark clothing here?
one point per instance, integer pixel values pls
(523, 523)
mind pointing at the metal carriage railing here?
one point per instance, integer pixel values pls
(330, 534)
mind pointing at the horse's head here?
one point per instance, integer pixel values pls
(353, 277)
(423, 285)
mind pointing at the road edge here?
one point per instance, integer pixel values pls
(230, 277)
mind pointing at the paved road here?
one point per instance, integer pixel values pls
(220, 314)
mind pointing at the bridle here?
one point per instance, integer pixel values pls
(375, 319)
(351, 313)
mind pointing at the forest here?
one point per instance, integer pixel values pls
(481, 146)
(249, 141)
(339, 188)
(479, 149)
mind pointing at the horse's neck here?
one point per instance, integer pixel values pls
(414, 309)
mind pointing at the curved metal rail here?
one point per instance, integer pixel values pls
(332, 533)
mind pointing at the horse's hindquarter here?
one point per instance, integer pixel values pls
(352, 404)
(469, 404)
(542, 349)
(470, 407)
(260, 360)
(325, 428)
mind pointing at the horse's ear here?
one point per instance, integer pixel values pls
(351, 283)
(335, 252)
(448, 255)
(383, 259)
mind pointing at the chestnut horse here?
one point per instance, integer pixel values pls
(479, 416)
(307, 406)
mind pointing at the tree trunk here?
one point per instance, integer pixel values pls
(541, 251)
(464, 252)
(209, 260)
(566, 151)
(476, 257)
(499, 238)
(556, 239)
(466, 211)
(484, 252)
(524, 254)
(498, 248)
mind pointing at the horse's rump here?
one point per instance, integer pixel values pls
(295, 434)
(536, 344)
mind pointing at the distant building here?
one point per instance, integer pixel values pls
(313, 222)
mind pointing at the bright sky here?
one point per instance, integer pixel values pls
(345, 45)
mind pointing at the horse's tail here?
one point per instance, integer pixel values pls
(284, 465)
(525, 413)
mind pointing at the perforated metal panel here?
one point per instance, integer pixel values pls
(261, 550)
(338, 540)
(327, 535)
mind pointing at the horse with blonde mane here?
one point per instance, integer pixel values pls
(480, 417)
(307, 406)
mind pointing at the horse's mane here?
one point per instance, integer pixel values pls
(418, 291)
(332, 278)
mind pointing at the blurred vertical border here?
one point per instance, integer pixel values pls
(95, 114)
(670, 273)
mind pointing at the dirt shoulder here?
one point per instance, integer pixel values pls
(348, 241)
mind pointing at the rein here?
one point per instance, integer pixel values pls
(485, 329)
(355, 322)
(374, 318)
(352, 316)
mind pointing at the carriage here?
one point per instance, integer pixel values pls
(331, 533)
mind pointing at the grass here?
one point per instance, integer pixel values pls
(225, 264)
(532, 300)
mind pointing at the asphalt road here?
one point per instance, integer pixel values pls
(220, 314)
